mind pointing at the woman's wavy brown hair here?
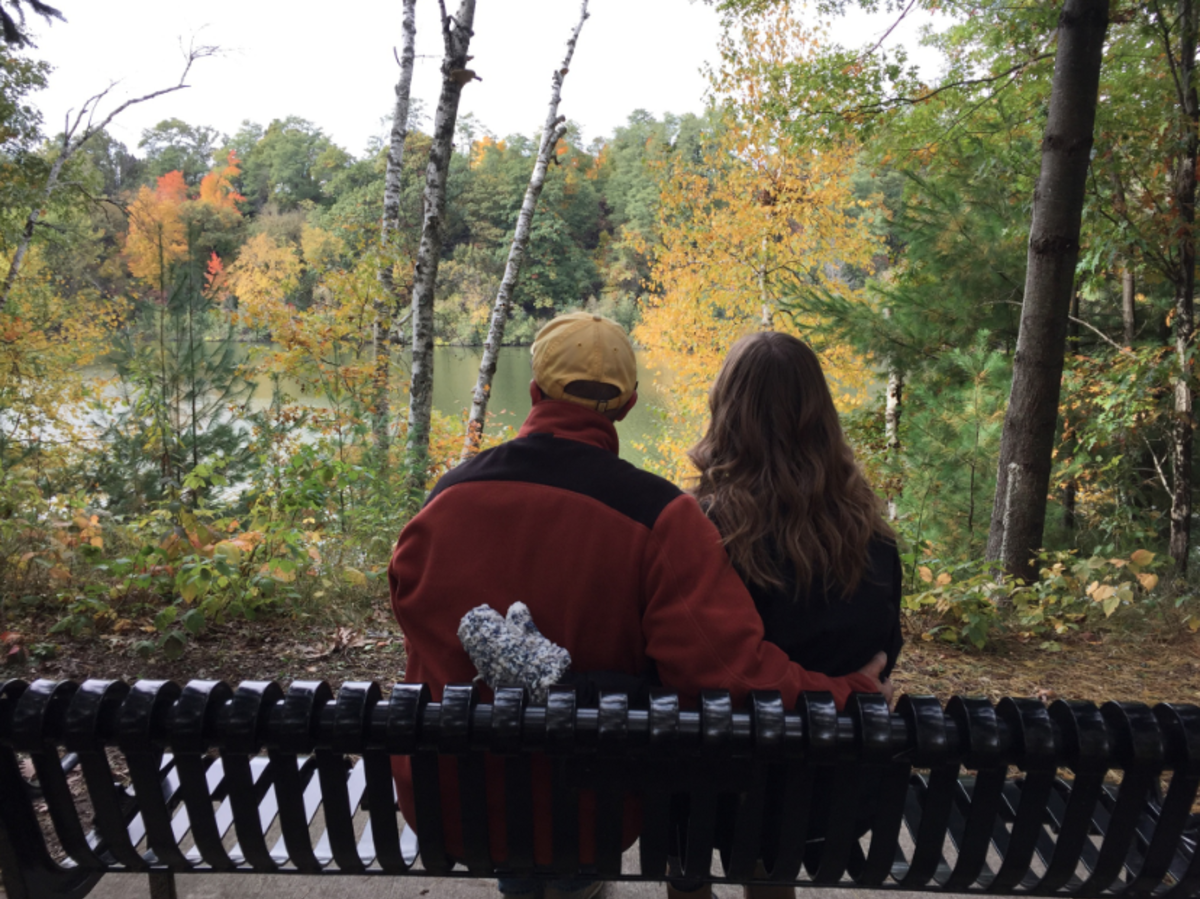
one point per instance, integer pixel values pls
(777, 475)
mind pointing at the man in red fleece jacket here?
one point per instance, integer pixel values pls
(617, 565)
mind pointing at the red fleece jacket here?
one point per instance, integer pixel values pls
(615, 564)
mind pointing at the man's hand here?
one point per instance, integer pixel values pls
(873, 669)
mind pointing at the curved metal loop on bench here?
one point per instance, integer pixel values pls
(194, 727)
(143, 726)
(775, 793)
(89, 728)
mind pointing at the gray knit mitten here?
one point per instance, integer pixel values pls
(511, 651)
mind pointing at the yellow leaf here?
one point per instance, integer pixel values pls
(314, 554)
(1142, 557)
(97, 542)
(926, 574)
(1110, 605)
(1092, 587)
(355, 577)
(943, 579)
(1147, 580)
(1102, 593)
(229, 549)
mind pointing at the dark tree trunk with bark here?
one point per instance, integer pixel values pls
(456, 33)
(1023, 480)
(1185, 286)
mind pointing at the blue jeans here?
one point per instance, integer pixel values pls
(518, 885)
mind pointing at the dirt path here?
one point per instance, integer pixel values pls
(1125, 668)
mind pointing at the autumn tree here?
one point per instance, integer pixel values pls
(762, 216)
(81, 127)
(157, 238)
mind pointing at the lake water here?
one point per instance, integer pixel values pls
(455, 370)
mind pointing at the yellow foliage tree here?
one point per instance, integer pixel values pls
(760, 216)
(261, 278)
(45, 343)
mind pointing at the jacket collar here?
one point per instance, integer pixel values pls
(572, 421)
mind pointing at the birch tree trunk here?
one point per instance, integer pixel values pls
(387, 306)
(552, 132)
(1027, 442)
(1185, 284)
(1128, 308)
(31, 221)
(456, 34)
(891, 423)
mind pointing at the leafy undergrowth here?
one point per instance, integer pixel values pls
(371, 648)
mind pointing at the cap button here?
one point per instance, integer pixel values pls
(595, 318)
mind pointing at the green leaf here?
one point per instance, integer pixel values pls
(166, 618)
(194, 621)
(173, 645)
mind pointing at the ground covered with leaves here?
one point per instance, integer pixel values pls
(1123, 667)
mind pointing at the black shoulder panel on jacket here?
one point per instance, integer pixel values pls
(569, 465)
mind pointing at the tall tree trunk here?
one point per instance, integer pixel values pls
(387, 306)
(456, 34)
(1027, 443)
(1185, 285)
(1128, 314)
(552, 132)
(1128, 309)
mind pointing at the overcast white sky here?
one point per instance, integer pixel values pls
(333, 64)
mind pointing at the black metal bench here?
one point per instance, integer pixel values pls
(1015, 797)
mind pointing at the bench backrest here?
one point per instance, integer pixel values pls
(1010, 797)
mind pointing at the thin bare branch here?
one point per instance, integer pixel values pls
(73, 140)
(893, 27)
(1112, 343)
(1162, 477)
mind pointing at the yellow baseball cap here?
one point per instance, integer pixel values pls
(580, 346)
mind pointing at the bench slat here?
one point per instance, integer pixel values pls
(773, 793)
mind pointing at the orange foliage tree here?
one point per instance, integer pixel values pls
(157, 237)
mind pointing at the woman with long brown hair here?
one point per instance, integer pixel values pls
(803, 528)
(800, 522)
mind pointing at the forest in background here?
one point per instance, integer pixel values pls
(830, 192)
